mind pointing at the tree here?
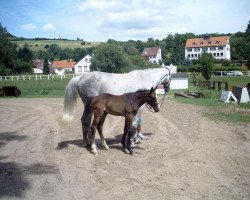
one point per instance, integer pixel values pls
(110, 57)
(206, 61)
(25, 53)
(8, 53)
(46, 69)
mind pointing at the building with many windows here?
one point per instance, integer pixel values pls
(219, 47)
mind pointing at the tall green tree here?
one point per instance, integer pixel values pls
(25, 53)
(8, 54)
(206, 61)
(110, 57)
(46, 69)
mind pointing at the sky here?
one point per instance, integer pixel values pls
(122, 20)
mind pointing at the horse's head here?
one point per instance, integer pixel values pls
(166, 79)
(152, 100)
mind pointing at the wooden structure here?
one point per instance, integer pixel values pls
(10, 91)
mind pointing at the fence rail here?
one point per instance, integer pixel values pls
(36, 77)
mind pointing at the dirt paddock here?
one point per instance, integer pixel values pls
(186, 156)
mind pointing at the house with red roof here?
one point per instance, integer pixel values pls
(152, 54)
(63, 67)
(219, 47)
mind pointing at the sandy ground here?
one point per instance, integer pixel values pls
(186, 156)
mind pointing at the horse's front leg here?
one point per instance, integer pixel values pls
(99, 128)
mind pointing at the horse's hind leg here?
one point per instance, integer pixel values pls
(99, 128)
(86, 122)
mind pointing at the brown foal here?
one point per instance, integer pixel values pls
(125, 105)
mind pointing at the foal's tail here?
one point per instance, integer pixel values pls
(70, 99)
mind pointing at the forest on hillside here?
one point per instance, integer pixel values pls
(16, 60)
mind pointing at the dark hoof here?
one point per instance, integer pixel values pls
(131, 152)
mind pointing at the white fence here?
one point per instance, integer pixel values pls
(36, 77)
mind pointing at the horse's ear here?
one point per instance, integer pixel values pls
(151, 90)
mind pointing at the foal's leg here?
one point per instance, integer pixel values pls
(125, 131)
(93, 131)
(99, 128)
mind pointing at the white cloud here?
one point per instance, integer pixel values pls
(97, 5)
(48, 27)
(28, 27)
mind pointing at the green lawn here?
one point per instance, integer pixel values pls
(40, 88)
(215, 109)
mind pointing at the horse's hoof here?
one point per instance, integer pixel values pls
(106, 148)
(131, 152)
(94, 152)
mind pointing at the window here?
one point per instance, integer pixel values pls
(221, 54)
(196, 49)
(214, 54)
(79, 69)
(189, 50)
(90, 60)
(204, 49)
(86, 60)
(85, 68)
(193, 44)
(220, 48)
(188, 56)
(209, 42)
(218, 54)
(201, 43)
(217, 42)
(212, 48)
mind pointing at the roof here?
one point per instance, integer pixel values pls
(210, 41)
(150, 51)
(63, 64)
(37, 63)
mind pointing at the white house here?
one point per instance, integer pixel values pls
(83, 65)
(152, 54)
(219, 47)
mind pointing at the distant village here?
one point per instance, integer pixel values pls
(219, 47)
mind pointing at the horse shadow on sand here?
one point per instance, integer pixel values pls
(14, 176)
(113, 143)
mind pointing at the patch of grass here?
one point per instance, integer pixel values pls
(233, 117)
(215, 109)
(36, 45)
(40, 88)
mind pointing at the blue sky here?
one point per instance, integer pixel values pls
(100, 20)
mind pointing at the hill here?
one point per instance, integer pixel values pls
(36, 45)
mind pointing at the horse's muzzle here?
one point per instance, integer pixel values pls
(157, 109)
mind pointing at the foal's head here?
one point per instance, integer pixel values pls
(152, 100)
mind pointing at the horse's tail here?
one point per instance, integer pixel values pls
(70, 99)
